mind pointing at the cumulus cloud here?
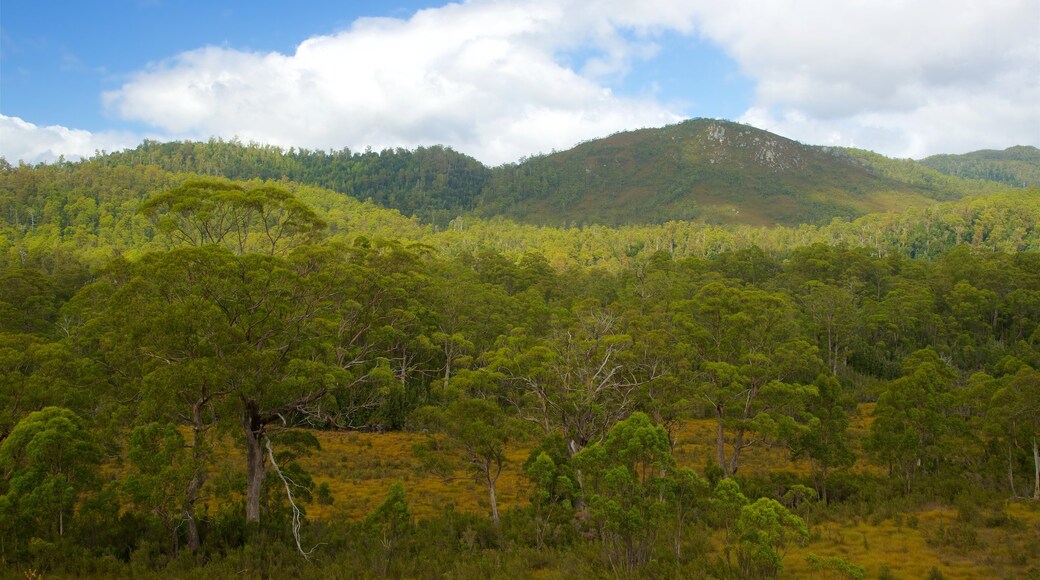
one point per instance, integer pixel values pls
(481, 77)
(24, 141)
(501, 79)
(904, 78)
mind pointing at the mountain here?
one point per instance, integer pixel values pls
(710, 170)
(1018, 166)
(706, 170)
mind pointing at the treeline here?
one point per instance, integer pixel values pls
(1017, 166)
(245, 320)
(433, 183)
(88, 211)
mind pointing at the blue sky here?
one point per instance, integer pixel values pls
(501, 79)
(59, 56)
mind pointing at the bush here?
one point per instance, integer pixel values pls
(323, 494)
(958, 534)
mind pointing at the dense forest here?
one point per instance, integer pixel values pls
(706, 170)
(1018, 166)
(186, 360)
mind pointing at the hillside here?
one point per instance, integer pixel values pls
(432, 183)
(89, 211)
(704, 170)
(1018, 166)
(707, 170)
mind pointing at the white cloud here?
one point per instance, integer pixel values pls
(500, 79)
(481, 77)
(902, 78)
(23, 141)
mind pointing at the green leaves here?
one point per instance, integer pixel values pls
(764, 529)
(47, 460)
(208, 211)
(914, 426)
(625, 480)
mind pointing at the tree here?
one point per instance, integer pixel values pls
(912, 419)
(581, 381)
(160, 468)
(47, 461)
(207, 211)
(35, 373)
(1018, 405)
(833, 313)
(688, 494)
(248, 334)
(764, 529)
(391, 522)
(726, 501)
(626, 478)
(753, 358)
(478, 430)
(826, 441)
(553, 487)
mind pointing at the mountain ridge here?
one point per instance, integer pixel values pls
(707, 170)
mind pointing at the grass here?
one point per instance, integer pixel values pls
(908, 545)
(360, 467)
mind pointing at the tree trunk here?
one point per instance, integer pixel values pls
(678, 536)
(720, 441)
(191, 496)
(735, 457)
(494, 502)
(823, 484)
(1011, 472)
(1036, 470)
(254, 432)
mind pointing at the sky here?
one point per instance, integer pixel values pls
(501, 80)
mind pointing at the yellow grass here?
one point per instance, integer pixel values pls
(360, 467)
(999, 552)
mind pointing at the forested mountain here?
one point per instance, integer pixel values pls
(1018, 166)
(434, 183)
(706, 170)
(703, 170)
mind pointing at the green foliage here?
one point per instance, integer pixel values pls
(253, 325)
(1018, 166)
(390, 523)
(48, 460)
(434, 183)
(623, 480)
(264, 219)
(727, 501)
(914, 427)
(837, 565)
(753, 358)
(711, 171)
(160, 469)
(323, 494)
(478, 430)
(826, 441)
(764, 530)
